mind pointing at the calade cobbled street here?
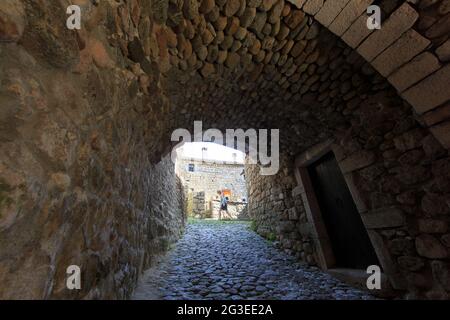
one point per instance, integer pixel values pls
(227, 260)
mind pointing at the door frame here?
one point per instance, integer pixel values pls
(323, 251)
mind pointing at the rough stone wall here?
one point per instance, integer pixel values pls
(278, 210)
(77, 186)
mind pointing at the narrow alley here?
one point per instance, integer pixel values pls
(227, 260)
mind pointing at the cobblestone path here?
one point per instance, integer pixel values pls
(218, 260)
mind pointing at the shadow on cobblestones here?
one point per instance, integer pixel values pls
(227, 260)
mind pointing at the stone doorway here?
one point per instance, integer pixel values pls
(349, 240)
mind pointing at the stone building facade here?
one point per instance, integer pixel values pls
(202, 179)
(87, 116)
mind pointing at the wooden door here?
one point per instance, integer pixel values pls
(349, 239)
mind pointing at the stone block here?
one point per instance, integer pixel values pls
(329, 11)
(293, 214)
(410, 44)
(430, 247)
(231, 7)
(312, 6)
(441, 272)
(357, 161)
(12, 20)
(247, 17)
(414, 71)
(206, 6)
(207, 70)
(297, 191)
(383, 255)
(442, 133)
(190, 9)
(437, 115)
(443, 52)
(383, 218)
(357, 32)
(434, 204)
(430, 92)
(398, 23)
(354, 190)
(159, 9)
(348, 15)
(432, 226)
(411, 263)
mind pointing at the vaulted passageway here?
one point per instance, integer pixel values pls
(87, 116)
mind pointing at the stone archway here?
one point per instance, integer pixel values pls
(87, 114)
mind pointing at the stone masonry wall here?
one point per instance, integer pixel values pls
(278, 211)
(76, 182)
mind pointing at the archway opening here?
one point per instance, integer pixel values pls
(213, 181)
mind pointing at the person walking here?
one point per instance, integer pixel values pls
(223, 204)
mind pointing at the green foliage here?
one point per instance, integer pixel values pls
(253, 226)
(5, 189)
(271, 237)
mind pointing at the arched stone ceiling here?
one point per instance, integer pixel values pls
(303, 66)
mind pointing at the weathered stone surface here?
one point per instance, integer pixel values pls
(432, 226)
(414, 71)
(136, 51)
(411, 263)
(275, 12)
(443, 52)
(441, 272)
(190, 9)
(159, 10)
(254, 3)
(232, 60)
(434, 205)
(383, 218)
(357, 32)
(46, 36)
(442, 133)
(399, 22)
(312, 6)
(330, 10)
(400, 52)
(207, 70)
(231, 7)
(430, 247)
(357, 161)
(297, 3)
(408, 140)
(247, 17)
(435, 86)
(12, 21)
(258, 22)
(348, 15)
(206, 6)
(298, 48)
